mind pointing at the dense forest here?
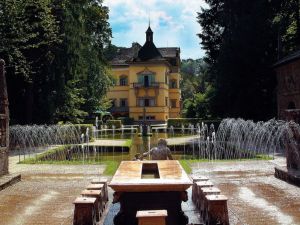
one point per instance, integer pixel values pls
(54, 53)
(242, 40)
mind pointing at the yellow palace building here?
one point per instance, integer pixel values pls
(147, 82)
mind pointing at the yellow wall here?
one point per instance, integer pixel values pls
(161, 111)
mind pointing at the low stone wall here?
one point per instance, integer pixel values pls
(291, 176)
(3, 161)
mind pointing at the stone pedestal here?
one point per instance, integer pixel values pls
(105, 190)
(3, 161)
(199, 185)
(95, 194)
(291, 176)
(216, 212)
(4, 121)
(84, 213)
(202, 198)
(153, 217)
(194, 187)
(95, 187)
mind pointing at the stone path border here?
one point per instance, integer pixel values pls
(8, 180)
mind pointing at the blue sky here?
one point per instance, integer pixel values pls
(173, 22)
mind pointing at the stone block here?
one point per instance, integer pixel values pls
(105, 189)
(99, 202)
(217, 211)
(84, 213)
(152, 217)
(195, 179)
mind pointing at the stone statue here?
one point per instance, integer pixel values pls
(4, 121)
(293, 148)
(161, 152)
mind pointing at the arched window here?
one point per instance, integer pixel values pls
(123, 80)
(291, 105)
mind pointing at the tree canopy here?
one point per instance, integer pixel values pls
(242, 40)
(54, 51)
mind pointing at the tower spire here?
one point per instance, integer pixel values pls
(149, 34)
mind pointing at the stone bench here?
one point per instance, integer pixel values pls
(98, 195)
(152, 217)
(216, 211)
(85, 212)
(202, 198)
(195, 179)
(199, 185)
(105, 189)
(95, 187)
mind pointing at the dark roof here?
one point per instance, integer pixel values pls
(147, 52)
(288, 59)
(127, 54)
(171, 52)
(149, 30)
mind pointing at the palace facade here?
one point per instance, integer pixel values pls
(147, 82)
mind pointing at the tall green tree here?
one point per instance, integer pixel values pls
(54, 50)
(86, 77)
(241, 42)
(28, 34)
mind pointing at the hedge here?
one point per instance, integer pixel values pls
(126, 120)
(117, 123)
(82, 128)
(178, 122)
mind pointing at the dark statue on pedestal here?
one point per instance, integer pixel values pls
(293, 148)
(291, 173)
(4, 121)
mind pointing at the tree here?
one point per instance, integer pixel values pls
(54, 50)
(29, 33)
(87, 33)
(240, 42)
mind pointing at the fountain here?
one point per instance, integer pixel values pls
(4, 122)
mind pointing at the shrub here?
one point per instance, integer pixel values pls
(126, 120)
(117, 123)
(178, 122)
(82, 128)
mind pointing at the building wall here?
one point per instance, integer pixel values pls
(161, 92)
(4, 122)
(288, 93)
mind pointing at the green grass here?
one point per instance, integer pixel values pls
(128, 143)
(111, 167)
(186, 166)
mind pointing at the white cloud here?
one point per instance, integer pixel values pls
(173, 21)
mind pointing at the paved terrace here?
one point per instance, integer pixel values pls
(46, 192)
(256, 197)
